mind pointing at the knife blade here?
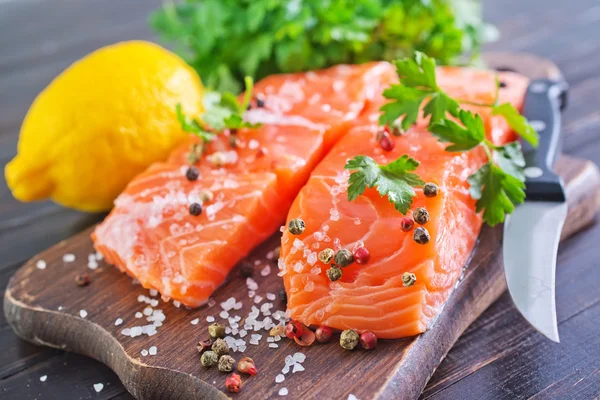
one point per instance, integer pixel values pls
(532, 231)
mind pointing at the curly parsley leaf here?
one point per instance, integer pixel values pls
(496, 192)
(417, 71)
(394, 180)
(462, 138)
(406, 102)
(517, 122)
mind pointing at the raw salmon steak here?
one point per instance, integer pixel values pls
(150, 233)
(371, 296)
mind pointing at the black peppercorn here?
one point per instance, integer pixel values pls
(430, 189)
(421, 235)
(82, 279)
(246, 269)
(421, 216)
(192, 174)
(260, 103)
(195, 209)
(283, 295)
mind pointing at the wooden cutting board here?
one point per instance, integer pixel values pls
(46, 307)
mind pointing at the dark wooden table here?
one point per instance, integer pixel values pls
(498, 357)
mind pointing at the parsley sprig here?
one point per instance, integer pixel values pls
(497, 186)
(222, 111)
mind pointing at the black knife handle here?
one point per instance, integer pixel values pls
(543, 103)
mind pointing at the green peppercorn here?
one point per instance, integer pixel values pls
(296, 226)
(326, 255)
(430, 189)
(216, 331)
(421, 235)
(349, 339)
(343, 258)
(421, 216)
(209, 358)
(334, 273)
(226, 363)
(408, 279)
(220, 347)
(396, 128)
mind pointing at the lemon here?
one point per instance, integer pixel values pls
(99, 123)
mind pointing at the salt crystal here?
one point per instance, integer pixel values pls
(41, 264)
(118, 322)
(315, 270)
(227, 330)
(299, 244)
(279, 378)
(289, 360)
(318, 236)
(325, 228)
(273, 345)
(309, 287)
(270, 339)
(99, 256)
(297, 368)
(243, 333)
(92, 264)
(152, 350)
(285, 369)
(312, 258)
(352, 397)
(258, 299)
(210, 318)
(211, 302)
(283, 392)
(270, 255)
(83, 313)
(43, 378)
(144, 352)
(298, 267)
(153, 292)
(223, 314)
(126, 332)
(139, 315)
(141, 298)
(282, 228)
(195, 321)
(238, 305)
(98, 387)
(271, 296)
(251, 284)
(153, 302)
(148, 311)
(299, 357)
(228, 304)
(68, 258)
(265, 271)
(277, 338)
(176, 303)
(254, 342)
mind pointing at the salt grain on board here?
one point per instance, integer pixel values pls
(83, 313)
(98, 387)
(152, 350)
(118, 322)
(68, 258)
(352, 397)
(43, 378)
(283, 392)
(41, 264)
(195, 321)
(279, 378)
(210, 318)
(271, 296)
(144, 352)
(139, 315)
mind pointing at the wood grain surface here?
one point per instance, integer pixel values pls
(498, 357)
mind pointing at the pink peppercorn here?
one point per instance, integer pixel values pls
(323, 334)
(233, 383)
(361, 255)
(294, 329)
(368, 340)
(406, 224)
(385, 141)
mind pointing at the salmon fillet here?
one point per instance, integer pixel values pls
(150, 233)
(371, 296)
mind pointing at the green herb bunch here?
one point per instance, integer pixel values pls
(498, 185)
(225, 40)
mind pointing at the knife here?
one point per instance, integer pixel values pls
(532, 231)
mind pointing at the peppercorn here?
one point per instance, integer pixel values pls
(421, 216)
(206, 196)
(204, 345)
(385, 141)
(293, 329)
(334, 273)
(421, 235)
(82, 279)
(326, 255)
(260, 103)
(278, 330)
(349, 339)
(408, 279)
(217, 159)
(233, 383)
(361, 255)
(246, 269)
(233, 141)
(396, 128)
(276, 252)
(195, 209)
(216, 330)
(192, 173)
(406, 224)
(246, 366)
(195, 153)
(430, 189)
(283, 295)
(323, 334)
(226, 363)
(343, 258)
(502, 84)
(220, 347)
(368, 340)
(209, 358)
(296, 226)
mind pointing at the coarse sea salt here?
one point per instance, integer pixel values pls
(283, 392)
(144, 352)
(118, 322)
(83, 313)
(210, 318)
(152, 350)
(352, 397)
(40, 264)
(139, 315)
(98, 387)
(271, 296)
(43, 378)
(279, 378)
(195, 321)
(265, 271)
(68, 258)
(223, 314)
